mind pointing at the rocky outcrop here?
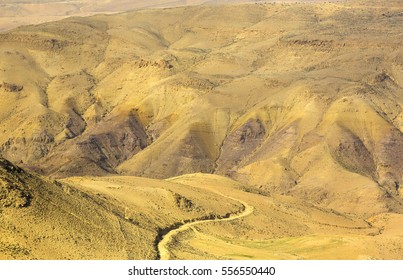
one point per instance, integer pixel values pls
(11, 87)
(239, 144)
(161, 64)
(13, 191)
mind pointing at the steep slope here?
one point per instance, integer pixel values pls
(94, 219)
(44, 220)
(299, 99)
(194, 216)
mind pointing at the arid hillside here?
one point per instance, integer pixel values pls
(89, 218)
(14, 13)
(296, 99)
(197, 216)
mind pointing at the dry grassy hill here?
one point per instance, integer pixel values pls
(302, 100)
(211, 217)
(90, 218)
(309, 106)
(44, 220)
(282, 227)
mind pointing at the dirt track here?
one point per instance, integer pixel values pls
(163, 245)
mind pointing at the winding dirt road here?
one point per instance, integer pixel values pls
(163, 245)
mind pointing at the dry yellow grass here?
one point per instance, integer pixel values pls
(284, 228)
(196, 216)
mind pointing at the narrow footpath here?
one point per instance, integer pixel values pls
(163, 245)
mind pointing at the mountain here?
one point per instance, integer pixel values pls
(309, 106)
(292, 109)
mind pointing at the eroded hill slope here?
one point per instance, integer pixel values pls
(302, 99)
(92, 218)
(196, 216)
